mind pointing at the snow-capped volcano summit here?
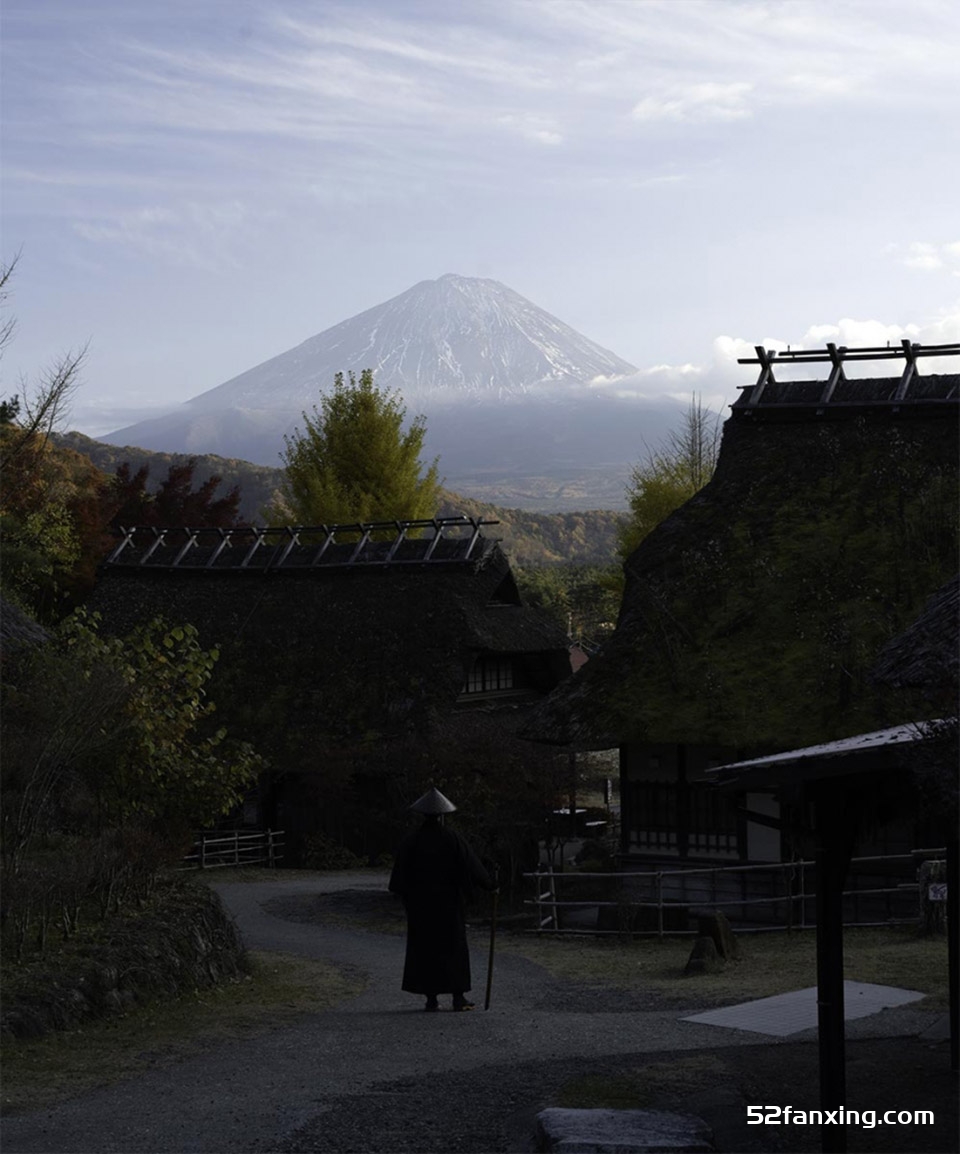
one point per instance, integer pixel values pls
(504, 387)
(441, 338)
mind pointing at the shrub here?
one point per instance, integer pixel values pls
(323, 853)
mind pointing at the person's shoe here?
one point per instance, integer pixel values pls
(432, 1005)
(462, 1004)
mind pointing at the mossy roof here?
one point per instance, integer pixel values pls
(345, 651)
(18, 630)
(926, 654)
(753, 615)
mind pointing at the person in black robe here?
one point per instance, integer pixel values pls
(435, 873)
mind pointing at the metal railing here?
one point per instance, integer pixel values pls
(658, 902)
(222, 850)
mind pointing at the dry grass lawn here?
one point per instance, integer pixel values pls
(770, 963)
(278, 992)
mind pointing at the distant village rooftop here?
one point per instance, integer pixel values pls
(840, 396)
(296, 547)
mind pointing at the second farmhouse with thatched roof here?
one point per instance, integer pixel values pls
(364, 661)
(752, 616)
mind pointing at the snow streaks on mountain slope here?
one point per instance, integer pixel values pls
(450, 338)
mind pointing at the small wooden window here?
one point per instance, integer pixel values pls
(491, 675)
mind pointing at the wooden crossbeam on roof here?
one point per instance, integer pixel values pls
(838, 391)
(870, 353)
(765, 359)
(379, 543)
(836, 373)
(909, 369)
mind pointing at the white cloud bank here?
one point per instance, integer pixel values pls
(718, 377)
(933, 257)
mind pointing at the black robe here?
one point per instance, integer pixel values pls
(435, 873)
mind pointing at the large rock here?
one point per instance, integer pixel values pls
(621, 1132)
(704, 957)
(717, 927)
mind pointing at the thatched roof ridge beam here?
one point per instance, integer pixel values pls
(295, 546)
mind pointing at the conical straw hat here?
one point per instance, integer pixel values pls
(433, 802)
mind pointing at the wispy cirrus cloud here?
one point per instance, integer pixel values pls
(707, 101)
(684, 169)
(198, 235)
(542, 129)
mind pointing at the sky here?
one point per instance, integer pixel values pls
(195, 187)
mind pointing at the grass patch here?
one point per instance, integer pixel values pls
(643, 1087)
(772, 963)
(244, 874)
(279, 990)
(265, 874)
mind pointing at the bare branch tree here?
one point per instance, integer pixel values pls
(39, 408)
(671, 475)
(9, 323)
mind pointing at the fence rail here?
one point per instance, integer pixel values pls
(220, 850)
(655, 902)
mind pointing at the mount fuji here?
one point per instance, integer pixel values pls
(505, 388)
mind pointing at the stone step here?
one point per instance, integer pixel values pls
(621, 1132)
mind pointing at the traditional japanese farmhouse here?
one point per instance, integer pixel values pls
(361, 660)
(753, 616)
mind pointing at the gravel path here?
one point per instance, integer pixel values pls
(376, 1073)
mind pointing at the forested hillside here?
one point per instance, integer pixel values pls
(257, 483)
(530, 539)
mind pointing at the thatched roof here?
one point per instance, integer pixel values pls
(17, 630)
(343, 650)
(785, 400)
(753, 615)
(927, 653)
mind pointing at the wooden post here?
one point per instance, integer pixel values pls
(271, 858)
(659, 903)
(203, 851)
(572, 764)
(953, 945)
(830, 869)
(683, 803)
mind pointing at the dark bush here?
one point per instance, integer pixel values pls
(182, 941)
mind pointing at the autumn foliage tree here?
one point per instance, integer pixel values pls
(176, 501)
(102, 731)
(54, 534)
(111, 756)
(49, 496)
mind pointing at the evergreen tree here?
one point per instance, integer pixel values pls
(354, 462)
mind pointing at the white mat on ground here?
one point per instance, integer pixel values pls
(790, 1013)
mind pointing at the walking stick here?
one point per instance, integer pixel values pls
(493, 935)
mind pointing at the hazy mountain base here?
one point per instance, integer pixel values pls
(541, 452)
(529, 538)
(556, 493)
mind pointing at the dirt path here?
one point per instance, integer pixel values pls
(376, 1073)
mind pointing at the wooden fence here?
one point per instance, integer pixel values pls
(884, 890)
(219, 850)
